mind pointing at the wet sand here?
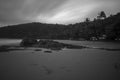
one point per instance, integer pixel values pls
(66, 64)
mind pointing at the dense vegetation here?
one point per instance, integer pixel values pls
(102, 27)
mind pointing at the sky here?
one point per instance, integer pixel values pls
(54, 11)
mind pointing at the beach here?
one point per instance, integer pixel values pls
(67, 64)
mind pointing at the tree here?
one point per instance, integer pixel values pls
(94, 19)
(87, 20)
(101, 15)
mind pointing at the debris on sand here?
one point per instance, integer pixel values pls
(48, 51)
(38, 50)
(9, 48)
(107, 49)
(4, 48)
(110, 49)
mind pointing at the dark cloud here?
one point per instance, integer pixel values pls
(54, 11)
(12, 11)
(9, 9)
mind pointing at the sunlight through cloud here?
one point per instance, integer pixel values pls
(68, 13)
(54, 11)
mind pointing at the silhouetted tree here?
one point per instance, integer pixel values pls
(101, 15)
(87, 20)
(94, 19)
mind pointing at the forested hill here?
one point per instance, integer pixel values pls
(109, 26)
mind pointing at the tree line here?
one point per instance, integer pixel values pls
(102, 27)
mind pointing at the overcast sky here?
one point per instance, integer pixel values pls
(54, 11)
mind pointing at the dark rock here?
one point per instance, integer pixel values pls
(27, 42)
(50, 44)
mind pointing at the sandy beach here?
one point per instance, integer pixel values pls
(66, 64)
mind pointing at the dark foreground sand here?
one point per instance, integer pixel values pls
(66, 64)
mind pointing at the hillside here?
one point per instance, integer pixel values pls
(97, 28)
